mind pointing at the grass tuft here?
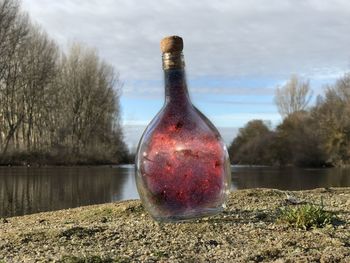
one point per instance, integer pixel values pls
(306, 216)
(160, 254)
(80, 232)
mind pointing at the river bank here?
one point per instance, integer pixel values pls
(248, 231)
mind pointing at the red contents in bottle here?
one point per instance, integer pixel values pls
(183, 166)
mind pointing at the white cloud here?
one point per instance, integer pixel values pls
(222, 38)
(240, 119)
(142, 123)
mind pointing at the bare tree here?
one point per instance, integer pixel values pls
(332, 113)
(91, 95)
(41, 57)
(9, 13)
(292, 97)
(51, 102)
(12, 64)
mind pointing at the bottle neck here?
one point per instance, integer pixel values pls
(175, 79)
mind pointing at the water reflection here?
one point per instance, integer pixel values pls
(288, 178)
(30, 190)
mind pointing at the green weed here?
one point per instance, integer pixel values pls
(306, 216)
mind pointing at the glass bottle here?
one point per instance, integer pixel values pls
(182, 164)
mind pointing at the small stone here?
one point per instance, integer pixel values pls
(213, 243)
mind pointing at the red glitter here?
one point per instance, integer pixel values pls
(182, 164)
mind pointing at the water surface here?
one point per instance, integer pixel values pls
(30, 190)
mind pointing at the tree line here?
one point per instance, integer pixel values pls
(55, 106)
(316, 136)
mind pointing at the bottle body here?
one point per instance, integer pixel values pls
(182, 164)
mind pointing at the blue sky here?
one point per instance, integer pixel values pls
(236, 51)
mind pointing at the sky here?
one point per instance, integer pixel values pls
(236, 52)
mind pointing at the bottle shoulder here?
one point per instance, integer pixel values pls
(181, 122)
(188, 134)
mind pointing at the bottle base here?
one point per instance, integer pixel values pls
(189, 216)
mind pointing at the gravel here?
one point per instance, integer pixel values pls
(248, 231)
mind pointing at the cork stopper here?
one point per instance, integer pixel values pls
(171, 44)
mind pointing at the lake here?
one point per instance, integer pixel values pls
(30, 190)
